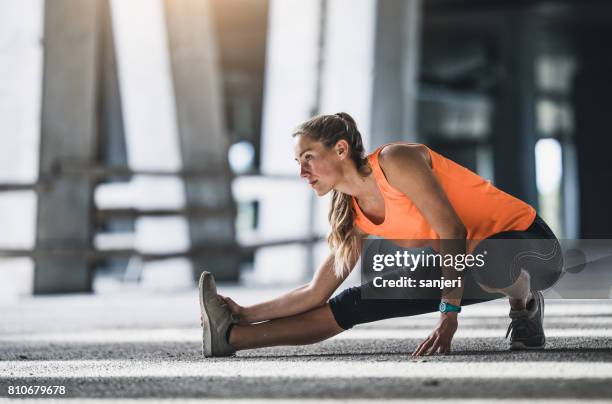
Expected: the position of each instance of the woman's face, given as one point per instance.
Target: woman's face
(320, 166)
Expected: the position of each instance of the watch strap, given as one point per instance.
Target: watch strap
(447, 307)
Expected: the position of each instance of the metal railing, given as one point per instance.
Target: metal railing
(98, 173)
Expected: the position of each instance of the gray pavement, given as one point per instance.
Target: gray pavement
(142, 345)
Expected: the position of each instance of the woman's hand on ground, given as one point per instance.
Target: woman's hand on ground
(237, 310)
(440, 339)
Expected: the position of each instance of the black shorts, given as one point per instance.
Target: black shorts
(536, 250)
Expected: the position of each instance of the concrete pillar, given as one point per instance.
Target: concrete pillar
(591, 93)
(112, 140)
(396, 61)
(346, 72)
(68, 132)
(291, 63)
(113, 148)
(199, 108)
(570, 190)
(514, 126)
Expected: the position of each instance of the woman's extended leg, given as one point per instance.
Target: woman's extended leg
(320, 324)
(305, 328)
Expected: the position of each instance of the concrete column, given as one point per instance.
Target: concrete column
(292, 57)
(199, 107)
(68, 132)
(514, 126)
(112, 140)
(113, 148)
(570, 190)
(591, 93)
(396, 61)
(346, 73)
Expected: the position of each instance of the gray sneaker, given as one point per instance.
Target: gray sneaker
(216, 319)
(527, 325)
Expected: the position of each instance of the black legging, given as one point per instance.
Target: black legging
(535, 249)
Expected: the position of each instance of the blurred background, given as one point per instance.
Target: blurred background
(144, 141)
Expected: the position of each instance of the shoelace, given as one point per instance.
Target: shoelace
(520, 325)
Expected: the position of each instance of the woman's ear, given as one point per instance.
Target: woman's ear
(342, 148)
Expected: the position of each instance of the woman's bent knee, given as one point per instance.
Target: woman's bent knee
(340, 307)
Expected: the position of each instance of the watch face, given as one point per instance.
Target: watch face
(443, 306)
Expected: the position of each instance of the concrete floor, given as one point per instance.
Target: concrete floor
(143, 345)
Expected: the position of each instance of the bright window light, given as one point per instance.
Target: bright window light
(548, 165)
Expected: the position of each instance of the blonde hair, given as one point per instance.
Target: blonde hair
(343, 238)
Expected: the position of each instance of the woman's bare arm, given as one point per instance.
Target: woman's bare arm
(409, 172)
(307, 297)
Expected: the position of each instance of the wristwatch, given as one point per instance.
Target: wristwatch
(447, 307)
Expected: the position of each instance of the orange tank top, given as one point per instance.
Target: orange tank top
(483, 208)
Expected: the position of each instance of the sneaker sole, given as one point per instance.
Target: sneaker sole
(206, 332)
(519, 346)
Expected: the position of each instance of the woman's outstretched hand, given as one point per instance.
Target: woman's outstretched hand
(237, 310)
(440, 339)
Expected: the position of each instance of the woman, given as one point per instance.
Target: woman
(400, 191)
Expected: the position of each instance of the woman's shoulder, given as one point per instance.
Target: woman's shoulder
(401, 153)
